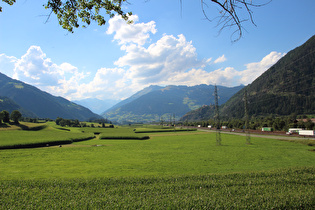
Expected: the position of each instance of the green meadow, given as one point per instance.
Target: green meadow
(183, 169)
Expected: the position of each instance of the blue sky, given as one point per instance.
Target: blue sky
(168, 44)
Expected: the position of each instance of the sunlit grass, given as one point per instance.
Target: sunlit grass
(277, 189)
(162, 155)
(172, 170)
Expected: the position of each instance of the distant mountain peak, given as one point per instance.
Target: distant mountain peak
(155, 102)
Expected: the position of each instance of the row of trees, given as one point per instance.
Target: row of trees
(5, 116)
(282, 123)
(76, 123)
(65, 122)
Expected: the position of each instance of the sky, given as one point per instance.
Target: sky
(169, 43)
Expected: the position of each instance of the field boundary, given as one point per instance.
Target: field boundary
(166, 130)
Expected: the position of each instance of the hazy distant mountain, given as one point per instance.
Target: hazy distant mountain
(288, 87)
(96, 105)
(134, 97)
(40, 103)
(155, 102)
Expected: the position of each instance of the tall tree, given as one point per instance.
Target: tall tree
(15, 116)
(1, 117)
(6, 116)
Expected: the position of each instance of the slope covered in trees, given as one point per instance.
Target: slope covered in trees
(40, 103)
(10, 105)
(288, 87)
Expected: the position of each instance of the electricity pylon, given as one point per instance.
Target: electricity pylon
(217, 116)
(246, 118)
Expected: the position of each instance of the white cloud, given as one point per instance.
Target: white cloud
(254, 70)
(7, 64)
(36, 69)
(130, 32)
(228, 76)
(220, 59)
(167, 57)
(169, 61)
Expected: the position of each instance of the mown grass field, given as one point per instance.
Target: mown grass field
(170, 170)
(28, 134)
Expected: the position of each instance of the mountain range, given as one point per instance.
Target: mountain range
(155, 102)
(34, 103)
(288, 87)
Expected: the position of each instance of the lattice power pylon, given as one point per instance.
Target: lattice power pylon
(246, 118)
(217, 116)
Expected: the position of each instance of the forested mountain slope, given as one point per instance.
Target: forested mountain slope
(40, 103)
(288, 87)
(10, 105)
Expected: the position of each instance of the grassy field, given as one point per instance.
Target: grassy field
(278, 189)
(28, 134)
(170, 170)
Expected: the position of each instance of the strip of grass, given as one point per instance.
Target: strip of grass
(30, 139)
(122, 133)
(278, 189)
(104, 136)
(163, 130)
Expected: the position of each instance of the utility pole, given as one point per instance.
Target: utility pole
(162, 121)
(174, 121)
(217, 116)
(246, 117)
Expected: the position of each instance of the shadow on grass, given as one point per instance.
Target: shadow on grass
(44, 144)
(4, 125)
(24, 127)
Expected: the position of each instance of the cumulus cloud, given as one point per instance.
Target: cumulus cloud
(133, 32)
(36, 69)
(228, 76)
(220, 59)
(254, 70)
(172, 60)
(164, 59)
(7, 64)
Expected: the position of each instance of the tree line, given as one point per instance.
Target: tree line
(76, 123)
(278, 123)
